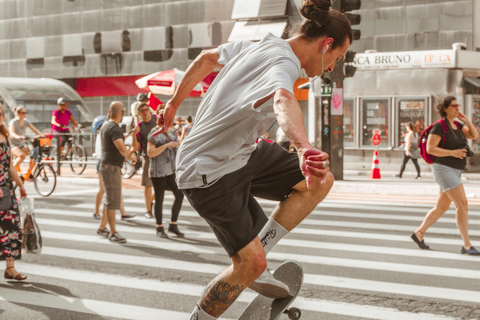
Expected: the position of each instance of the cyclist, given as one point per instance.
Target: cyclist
(17, 127)
(60, 118)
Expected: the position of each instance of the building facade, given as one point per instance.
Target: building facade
(100, 47)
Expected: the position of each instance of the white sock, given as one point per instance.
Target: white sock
(199, 314)
(271, 233)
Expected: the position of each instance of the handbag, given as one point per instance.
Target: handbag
(32, 238)
(6, 199)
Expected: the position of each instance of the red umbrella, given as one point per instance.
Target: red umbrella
(165, 83)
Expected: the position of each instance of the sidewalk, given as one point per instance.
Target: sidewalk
(355, 182)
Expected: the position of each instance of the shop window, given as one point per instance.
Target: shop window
(410, 110)
(348, 122)
(375, 116)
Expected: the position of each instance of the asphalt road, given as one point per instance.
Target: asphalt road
(358, 259)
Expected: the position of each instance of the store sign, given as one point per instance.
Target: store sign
(405, 60)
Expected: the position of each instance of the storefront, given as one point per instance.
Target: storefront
(391, 89)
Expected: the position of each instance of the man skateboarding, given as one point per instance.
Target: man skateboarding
(221, 169)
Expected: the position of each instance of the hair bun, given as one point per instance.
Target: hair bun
(321, 17)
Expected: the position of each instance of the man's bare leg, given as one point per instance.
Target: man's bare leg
(291, 211)
(248, 264)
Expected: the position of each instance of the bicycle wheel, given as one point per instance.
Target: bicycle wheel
(45, 180)
(78, 154)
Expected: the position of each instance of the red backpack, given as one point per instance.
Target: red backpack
(422, 143)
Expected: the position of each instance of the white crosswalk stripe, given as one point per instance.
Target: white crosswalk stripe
(338, 245)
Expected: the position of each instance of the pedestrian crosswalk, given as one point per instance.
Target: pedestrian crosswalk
(358, 259)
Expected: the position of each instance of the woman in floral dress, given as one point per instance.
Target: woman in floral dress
(10, 228)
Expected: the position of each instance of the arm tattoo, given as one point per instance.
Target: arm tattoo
(219, 296)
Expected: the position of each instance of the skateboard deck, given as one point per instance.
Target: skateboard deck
(290, 273)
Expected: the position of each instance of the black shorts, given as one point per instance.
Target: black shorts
(229, 206)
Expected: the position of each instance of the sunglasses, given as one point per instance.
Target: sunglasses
(144, 110)
(22, 112)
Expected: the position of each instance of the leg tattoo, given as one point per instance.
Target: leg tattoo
(219, 296)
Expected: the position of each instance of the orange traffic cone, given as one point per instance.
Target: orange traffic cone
(375, 174)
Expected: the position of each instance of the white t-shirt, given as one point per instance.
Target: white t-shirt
(227, 125)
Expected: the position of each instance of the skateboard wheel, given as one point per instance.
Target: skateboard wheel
(294, 313)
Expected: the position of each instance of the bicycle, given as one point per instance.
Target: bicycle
(42, 173)
(75, 153)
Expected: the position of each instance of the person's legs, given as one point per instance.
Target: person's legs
(442, 205)
(19, 155)
(177, 205)
(178, 194)
(99, 196)
(159, 184)
(417, 167)
(458, 197)
(404, 162)
(147, 193)
(112, 184)
(248, 264)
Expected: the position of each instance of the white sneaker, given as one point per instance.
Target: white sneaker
(270, 287)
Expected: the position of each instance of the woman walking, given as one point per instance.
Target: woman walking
(10, 228)
(450, 159)
(411, 150)
(161, 149)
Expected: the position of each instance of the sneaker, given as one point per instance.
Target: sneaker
(270, 287)
(129, 216)
(472, 251)
(173, 228)
(161, 233)
(103, 232)
(148, 215)
(398, 176)
(97, 216)
(116, 237)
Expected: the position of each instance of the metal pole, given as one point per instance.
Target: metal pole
(59, 152)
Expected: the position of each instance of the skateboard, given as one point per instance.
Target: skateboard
(290, 273)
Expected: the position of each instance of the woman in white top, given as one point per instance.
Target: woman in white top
(17, 128)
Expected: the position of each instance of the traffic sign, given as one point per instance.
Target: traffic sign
(376, 139)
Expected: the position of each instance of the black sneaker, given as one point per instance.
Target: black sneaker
(97, 216)
(173, 228)
(103, 232)
(161, 233)
(472, 251)
(116, 237)
(129, 216)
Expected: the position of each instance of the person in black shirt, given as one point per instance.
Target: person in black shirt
(114, 153)
(449, 162)
(140, 140)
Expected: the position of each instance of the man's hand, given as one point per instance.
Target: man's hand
(173, 144)
(313, 162)
(133, 158)
(167, 115)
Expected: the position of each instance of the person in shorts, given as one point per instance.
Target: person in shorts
(449, 162)
(140, 141)
(114, 153)
(221, 169)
